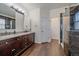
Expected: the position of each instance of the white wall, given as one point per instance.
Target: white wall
(35, 23)
(19, 22)
(55, 22)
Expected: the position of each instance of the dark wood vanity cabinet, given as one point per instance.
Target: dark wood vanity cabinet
(5, 50)
(74, 43)
(16, 45)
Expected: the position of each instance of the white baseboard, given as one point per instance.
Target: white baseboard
(43, 42)
(38, 42)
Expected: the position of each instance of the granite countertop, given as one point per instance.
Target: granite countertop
(14, 35)
(74, 30)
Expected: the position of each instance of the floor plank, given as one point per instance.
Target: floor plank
(46, 49)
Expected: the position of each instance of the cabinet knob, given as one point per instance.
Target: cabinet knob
(13, 49)
(6, 42)
(17, 39)
(42, 31)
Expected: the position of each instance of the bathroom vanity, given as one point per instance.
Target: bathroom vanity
(15, 44)
(74, 42)
(74, 31)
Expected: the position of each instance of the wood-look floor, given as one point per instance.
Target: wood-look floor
(46, 49)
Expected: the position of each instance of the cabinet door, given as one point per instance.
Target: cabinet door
(16, 44)
(30, 39)
(20, 41)
(5, 50)
(45, 29)
(24, 40)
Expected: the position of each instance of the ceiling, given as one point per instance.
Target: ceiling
(48, 6)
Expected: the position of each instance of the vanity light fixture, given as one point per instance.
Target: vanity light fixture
(16, 8)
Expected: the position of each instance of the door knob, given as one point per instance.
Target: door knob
(42, 31)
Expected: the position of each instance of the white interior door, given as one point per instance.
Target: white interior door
(45, 29)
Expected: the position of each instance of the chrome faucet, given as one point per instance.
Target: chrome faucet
(14, 31)
(5, 32)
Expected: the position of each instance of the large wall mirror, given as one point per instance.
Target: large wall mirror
(74, 18)
(7, 17)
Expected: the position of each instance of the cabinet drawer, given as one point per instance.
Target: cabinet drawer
(74, 49)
